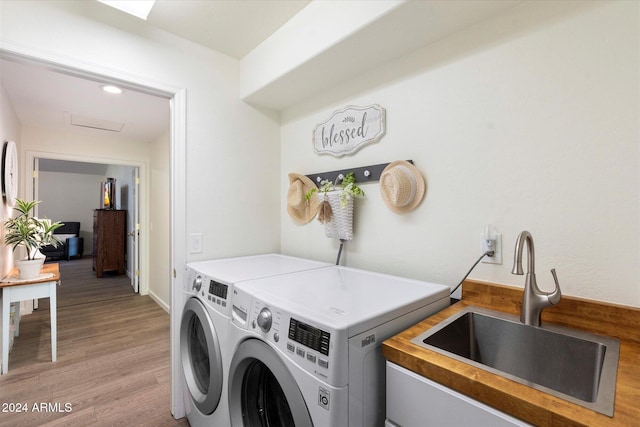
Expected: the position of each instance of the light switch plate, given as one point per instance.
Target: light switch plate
(195, 243)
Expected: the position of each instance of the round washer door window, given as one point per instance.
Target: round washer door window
(201, 357)
(262, 391)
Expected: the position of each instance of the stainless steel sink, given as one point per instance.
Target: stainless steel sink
(576, 366)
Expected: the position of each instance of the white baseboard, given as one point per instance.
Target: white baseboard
(160, 302)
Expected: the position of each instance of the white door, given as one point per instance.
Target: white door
(134, 234)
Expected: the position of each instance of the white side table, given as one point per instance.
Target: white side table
(16, 291)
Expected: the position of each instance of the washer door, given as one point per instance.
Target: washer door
(201, 357)
(262, 391)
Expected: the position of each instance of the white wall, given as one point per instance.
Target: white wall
(521, 127)
(159, 219)
(9, 131)
(81, 144)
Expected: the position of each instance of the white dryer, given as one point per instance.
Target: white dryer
(205, 323)
(308, 345)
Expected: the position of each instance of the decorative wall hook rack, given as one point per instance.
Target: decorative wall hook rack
(362, 174)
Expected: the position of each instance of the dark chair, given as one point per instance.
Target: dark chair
(72, 244)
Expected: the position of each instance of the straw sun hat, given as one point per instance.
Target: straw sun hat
(301, 210)
(402, 186)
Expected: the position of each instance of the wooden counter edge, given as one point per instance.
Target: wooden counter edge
(46, 269)
(513, 398)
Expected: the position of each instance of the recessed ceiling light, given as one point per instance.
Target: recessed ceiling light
(138, 8)
(111, 89)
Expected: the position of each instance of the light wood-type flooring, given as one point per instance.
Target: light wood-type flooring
(113, 358)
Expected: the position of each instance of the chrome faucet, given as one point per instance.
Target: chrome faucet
(533, 300)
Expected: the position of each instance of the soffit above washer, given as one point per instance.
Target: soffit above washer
(303, 59)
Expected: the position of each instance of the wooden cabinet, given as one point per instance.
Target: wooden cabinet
(109, 240)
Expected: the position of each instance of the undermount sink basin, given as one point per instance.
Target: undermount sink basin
(576, 366)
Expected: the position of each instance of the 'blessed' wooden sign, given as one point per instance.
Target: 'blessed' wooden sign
(348, 130)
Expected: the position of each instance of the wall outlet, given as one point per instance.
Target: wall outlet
(497, 248)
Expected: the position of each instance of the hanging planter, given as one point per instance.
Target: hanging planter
(337, 218)
(336, 206)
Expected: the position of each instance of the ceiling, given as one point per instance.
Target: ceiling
(47, 98)
(53, 100)
(233, 27)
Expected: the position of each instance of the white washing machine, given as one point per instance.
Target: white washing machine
(204, 328)
(307, 346)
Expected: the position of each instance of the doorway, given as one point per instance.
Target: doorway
(177, 174)
(70, 190)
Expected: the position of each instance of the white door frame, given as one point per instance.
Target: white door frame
(178, 134)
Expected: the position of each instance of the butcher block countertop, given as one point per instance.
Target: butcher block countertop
(526, 403)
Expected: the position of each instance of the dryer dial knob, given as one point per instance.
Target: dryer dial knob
(264, 319)
(197, 283)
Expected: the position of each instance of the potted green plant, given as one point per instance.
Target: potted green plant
(32, 233)
(336, 205)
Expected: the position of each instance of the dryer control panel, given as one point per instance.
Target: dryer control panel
(216, 294)
(312, 337)
(321, 351)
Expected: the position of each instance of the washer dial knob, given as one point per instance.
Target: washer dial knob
(264, 319)
(197, 283)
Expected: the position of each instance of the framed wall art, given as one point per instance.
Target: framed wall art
(349, 129)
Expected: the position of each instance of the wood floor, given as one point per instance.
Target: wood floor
(113, 358)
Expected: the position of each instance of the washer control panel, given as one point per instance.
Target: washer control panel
(217, 289)
(213, 292)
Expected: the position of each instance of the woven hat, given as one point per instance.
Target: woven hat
(402, 186)
(301, 210)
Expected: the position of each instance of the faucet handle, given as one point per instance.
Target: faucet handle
(554, 297)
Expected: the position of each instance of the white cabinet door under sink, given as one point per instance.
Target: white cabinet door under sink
(415, 401)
